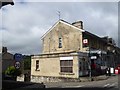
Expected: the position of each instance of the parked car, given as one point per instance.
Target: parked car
(117, 69)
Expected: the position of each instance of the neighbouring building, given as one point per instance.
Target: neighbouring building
(6, 2)
(70, 52)
(7, 59)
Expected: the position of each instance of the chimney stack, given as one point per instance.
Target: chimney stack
(78, 24)
(4, 49)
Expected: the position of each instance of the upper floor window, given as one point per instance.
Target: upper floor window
(60, 42)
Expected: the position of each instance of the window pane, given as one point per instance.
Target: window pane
(60, 42)
(66, 63)
(71, 63)
(66, 69)
(62, 63)
(37, 62)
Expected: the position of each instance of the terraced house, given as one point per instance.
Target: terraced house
(70, 52)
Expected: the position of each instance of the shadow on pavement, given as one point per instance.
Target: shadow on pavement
(88, 88)
(14, 85)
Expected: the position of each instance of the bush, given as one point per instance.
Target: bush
(12, 71)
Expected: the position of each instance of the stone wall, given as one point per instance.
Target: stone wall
(50, 66)
(40, 79)
(20, 78)
(71, 39)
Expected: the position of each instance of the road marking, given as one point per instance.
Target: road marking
(112, 84)
(106, 85)
(109, 85)
(75, 86)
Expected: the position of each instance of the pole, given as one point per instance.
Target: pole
(59, 14)
(90, 74)
(119, 81)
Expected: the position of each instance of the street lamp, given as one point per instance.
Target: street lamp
(108, 62)
(85, 44)
(90, 70)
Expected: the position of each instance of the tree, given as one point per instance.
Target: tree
(12, 71)
(27, 62)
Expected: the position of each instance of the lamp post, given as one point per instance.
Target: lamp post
(90, 72)
(86, 44)
(108, 62)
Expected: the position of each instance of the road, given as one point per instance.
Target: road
(110, 84)
(17, 85)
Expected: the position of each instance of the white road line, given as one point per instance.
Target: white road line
(75, 86)
(106, 85)
(112, 85)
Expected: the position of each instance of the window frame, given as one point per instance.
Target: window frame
(66, 66)
(60, 42)
(37, 65)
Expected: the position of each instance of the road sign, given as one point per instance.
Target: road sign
(17, 65)
(93, 57)
(18, 57)
(85, 41)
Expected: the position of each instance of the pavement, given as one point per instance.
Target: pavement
(95, 78)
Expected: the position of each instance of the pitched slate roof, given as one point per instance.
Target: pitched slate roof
(94, 36)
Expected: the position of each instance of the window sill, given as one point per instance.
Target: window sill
(64, 73)
(37, 70)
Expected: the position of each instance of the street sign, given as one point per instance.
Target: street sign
(18, 57)
(85, 41)
(93, 57)
(17, 65)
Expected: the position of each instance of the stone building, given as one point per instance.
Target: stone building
(6, 2)
(7, 59)
(65, 55)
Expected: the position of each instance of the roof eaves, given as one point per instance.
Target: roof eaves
(49, 29)
(95, 36)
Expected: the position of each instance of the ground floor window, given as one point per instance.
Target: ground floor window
(66, 66)
(37, 65)
(83, 64)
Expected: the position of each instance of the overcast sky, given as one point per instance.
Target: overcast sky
(24, 23)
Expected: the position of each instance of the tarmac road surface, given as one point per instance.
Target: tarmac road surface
(110, 84)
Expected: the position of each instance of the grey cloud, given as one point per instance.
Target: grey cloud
(68, 0)
(25, 23)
